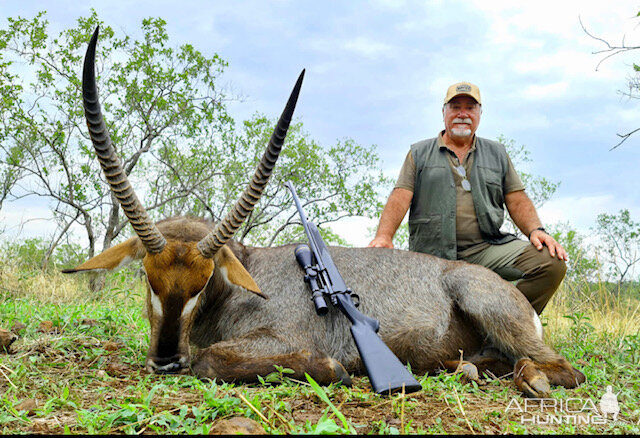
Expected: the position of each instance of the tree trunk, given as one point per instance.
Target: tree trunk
(96, 279)
(112, 230)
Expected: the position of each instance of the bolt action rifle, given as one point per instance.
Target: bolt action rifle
(386, 373)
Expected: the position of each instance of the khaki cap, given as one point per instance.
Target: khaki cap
(463, 89)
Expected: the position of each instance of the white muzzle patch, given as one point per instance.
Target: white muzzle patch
(156, 304)
(191, 304)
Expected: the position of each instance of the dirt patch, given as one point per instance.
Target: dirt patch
(86, 376)
(237, 426)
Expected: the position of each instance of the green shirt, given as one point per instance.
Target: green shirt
(468, 236)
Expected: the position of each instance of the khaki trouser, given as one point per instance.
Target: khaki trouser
(536, 273)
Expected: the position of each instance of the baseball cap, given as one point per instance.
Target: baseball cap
(463, 89)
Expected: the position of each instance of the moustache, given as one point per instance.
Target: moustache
(461, 121)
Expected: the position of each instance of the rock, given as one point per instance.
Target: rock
(41, 426)
(6, 339)
(47, 327)
(111, 346)
(237, 426)
(30, 405)
(116, 369)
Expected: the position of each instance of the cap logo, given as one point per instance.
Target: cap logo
(463, 88)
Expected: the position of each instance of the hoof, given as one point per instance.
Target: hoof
(579, 377)
(6, 339)
(537, 388)
(340, 372)
(470, 371)
(530, 380)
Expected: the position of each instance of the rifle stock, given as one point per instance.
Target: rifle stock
(386, 373)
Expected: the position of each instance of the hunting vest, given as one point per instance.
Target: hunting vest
(432, 217)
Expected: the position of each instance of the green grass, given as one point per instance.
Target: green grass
(86, 376)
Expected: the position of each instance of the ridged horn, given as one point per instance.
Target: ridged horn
(152, 239)
(225, 230)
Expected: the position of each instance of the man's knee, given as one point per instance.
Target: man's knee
(540, 264)
(556, 270)
(543, 275)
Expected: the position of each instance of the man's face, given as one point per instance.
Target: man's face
(461, 116)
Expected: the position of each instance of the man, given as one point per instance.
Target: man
(457, 185)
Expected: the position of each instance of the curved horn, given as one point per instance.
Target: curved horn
(225, 230)
(152, 239)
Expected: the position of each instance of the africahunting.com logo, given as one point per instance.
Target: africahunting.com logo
(549, 411)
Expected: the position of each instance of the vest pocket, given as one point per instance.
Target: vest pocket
(490, 224)
(425, 234)
(493, 183)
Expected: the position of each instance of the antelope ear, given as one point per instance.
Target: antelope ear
(235, 272)
(113, 258)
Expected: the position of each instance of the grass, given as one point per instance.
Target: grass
(84, 372)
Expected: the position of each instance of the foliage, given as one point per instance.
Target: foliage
(582, 265)
(325, 424)
(30, 252)
(538, 188)
(169, 124)
(152, 95)
(620, 243)
(340, 181)
(11, 155)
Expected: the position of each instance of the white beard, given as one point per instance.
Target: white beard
(460, 132)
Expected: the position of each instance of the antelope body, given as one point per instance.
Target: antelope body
(248, 308)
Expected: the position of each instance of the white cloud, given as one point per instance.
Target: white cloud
(367, 48)
(581, 211)
(355, 230)
(545, 91)
(27, 219)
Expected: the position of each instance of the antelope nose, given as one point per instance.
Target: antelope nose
(167, 365)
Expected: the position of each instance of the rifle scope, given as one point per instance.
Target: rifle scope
(304, 258)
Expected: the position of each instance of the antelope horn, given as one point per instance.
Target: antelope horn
(152, 239)
(225, 230)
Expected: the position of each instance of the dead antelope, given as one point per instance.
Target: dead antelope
(207, 289)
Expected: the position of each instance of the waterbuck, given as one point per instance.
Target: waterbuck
(248, 308)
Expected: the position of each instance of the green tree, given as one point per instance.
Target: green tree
(538, 188)
(152, 95)
(582, 266)
(11, 128)
(168, 122)
(620, 244)
(335, 182)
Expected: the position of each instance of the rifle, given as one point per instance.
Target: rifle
(386, 373)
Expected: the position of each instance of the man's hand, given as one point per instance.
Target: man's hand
(539, 238)
(393, 213)
(525, 217)
(381, 242)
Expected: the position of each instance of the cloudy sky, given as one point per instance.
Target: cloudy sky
(377, 72)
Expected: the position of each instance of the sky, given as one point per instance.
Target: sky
(377, 72)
